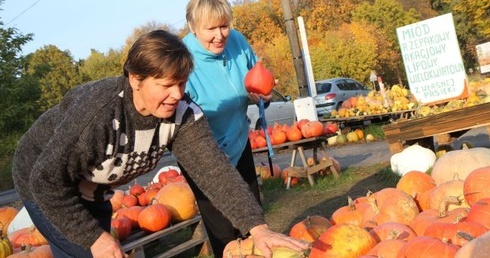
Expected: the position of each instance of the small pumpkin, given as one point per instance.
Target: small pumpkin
(351, 213)
(294, 134)
(116, 199)
(310, 228)
(415, 183)
(132, 213)
(312, 129)
(259, 80)
(154, 218)
(123, 227)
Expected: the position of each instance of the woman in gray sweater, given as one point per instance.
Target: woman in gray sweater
(105, 133)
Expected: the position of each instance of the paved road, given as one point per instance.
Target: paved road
(360, 154)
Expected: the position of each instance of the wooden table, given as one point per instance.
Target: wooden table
(298, 147)
(137, 241)
(419, 128)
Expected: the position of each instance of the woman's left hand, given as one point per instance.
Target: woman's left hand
(255, 97)
(264, 239)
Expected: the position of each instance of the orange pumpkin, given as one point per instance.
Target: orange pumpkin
(449, 193)
(480, 212)
(179, 199)
(430, 216)
(259, 80)
(7, 214)
(132, 213)
(386, 248)
(312, 129)
(392, 230)
(390, 205)
(342, 240)
(116, 199)
(154, 218)
(452, 231)
(136, 189)
(415, 183)
(476, 185)
(27, 236)
(351, 213)
(278, 137)
(123, 227)
(294, 134)
(310, 228)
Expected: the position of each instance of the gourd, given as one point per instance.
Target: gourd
(461, 162)
(332, 243)
(310, 228)
(27, 236)
(476, 185)
(414, 157)
(154, 218)
(259, 80)
(7, 214)
(179, 199)
(351, 213)
(312, 129)
(6, 248)
(415, 183)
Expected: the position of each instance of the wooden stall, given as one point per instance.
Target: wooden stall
(397, 133)
(298, 147)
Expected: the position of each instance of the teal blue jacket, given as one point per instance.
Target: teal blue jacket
(217, 86)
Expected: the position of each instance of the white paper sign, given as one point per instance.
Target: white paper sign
(432, 59)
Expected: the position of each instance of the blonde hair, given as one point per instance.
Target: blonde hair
(198, 11)
(159, 54)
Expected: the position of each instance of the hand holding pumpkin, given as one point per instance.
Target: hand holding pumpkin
(255, 97)
(265, 239)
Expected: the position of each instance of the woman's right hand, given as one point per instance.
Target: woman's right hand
(106, 246)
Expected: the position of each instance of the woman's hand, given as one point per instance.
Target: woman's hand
(106, 246)
(264, 239)
(255, 97)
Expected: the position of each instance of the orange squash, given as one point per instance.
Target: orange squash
(7, 214)
(154, 218)
(476, 185)
(310, 228)
(27, 236)
(312, 129)
(415, 183)
(179, 199)
(259, 80)
(43, 251)
(351, 213)
(424, 246)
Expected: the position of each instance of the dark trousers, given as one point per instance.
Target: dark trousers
(219, 228)
(60, 246)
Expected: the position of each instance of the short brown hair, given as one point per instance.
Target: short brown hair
(159, 54)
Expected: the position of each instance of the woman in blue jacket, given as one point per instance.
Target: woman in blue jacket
(222, 57)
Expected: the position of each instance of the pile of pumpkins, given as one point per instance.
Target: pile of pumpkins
(304, 129)
(442, 212)
(168, 199)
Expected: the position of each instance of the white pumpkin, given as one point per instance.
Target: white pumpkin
(414, 157)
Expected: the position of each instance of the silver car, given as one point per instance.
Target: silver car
(332, 92)
(280, 110)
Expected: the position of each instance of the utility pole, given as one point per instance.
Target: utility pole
(294, 42)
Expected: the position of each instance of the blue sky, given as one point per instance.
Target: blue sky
(82, 25)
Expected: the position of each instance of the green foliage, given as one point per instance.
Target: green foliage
(98, 65)
(56, 72)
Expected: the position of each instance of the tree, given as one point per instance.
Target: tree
(56, 72)
(98, 65)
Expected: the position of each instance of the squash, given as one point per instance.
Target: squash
(415, 183)
(351, 213)
(259, 80)
(386, 248)
(27, 236)
(460, 162)
(414, 157)
(392, 230)
(312, 129)
(449, 193)
(342, 240)
(179, 199)
(7, 214)
(310, 228)
(476, 185)
(424, 246)
(6, 248)
(154, 218)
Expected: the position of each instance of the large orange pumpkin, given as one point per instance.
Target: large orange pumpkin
(480, 212)
(43, 251)
(387, 248)
(452, 231)
(342, 240)
(430, 216)
(312, 129)
(476, 185)
(392, 230)
(7, 214)
(415, 183)
(351, 213)
(310, 228)
(179, 199)
(449, 193)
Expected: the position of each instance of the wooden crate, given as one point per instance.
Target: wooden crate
(456, 120)
(138, 241)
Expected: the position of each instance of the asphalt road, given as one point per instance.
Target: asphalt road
(358, 154)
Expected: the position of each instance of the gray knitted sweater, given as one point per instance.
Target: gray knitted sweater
(95, 140)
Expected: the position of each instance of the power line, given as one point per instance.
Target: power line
(13, 19)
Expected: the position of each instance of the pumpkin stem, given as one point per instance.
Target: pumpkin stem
(444, 204)
(464, 235)
(351, 204)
